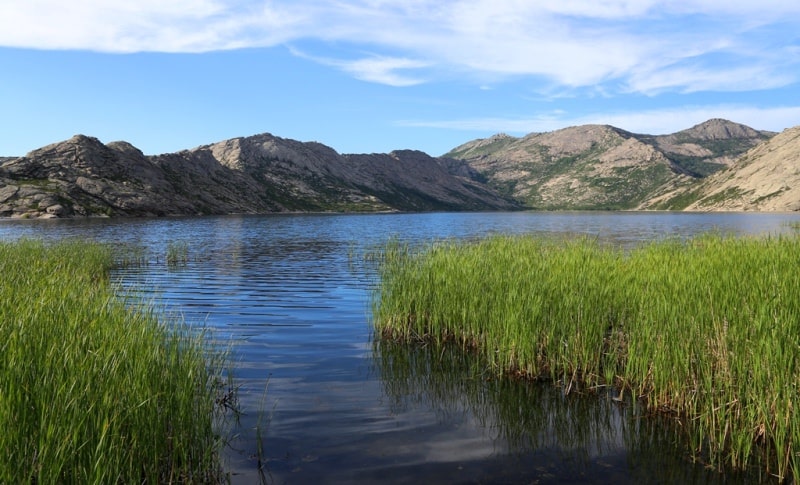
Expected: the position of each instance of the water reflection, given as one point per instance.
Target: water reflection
(552, 437)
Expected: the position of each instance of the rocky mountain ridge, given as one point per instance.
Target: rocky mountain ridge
(604, 167)
(716, 165)
(258, 174)
(709, 146)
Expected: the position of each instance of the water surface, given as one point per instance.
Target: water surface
(289, 295)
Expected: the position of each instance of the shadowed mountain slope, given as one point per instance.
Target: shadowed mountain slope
(258, 174)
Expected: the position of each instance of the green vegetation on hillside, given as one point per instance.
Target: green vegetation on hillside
(487, 147)
(91, 390)
(698, 167)
(702, 166)
(706, 330)
(679, 201)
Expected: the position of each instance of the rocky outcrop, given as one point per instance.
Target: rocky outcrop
(87, 178)
(258, 174)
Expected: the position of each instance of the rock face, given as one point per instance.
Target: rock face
(603, 167)
(766, 178)
(258, 174)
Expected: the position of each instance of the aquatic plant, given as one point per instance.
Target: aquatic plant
(177, 254)
(706, 330)
(129, 256)
(93, 390)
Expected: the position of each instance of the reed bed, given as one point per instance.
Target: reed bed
(706, 330)
(91, 390)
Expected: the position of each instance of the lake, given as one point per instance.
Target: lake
(290, 296)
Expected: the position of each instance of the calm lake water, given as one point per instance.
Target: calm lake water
(291, 298)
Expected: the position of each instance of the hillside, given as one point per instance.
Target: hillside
(766, 178)
(582, 167)
(708, 147)
(603, 167)
(258, 174)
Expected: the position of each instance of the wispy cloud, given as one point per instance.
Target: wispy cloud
(654, 122)
(641, 45)
(384, 70)
(691, 79)
(375, 68)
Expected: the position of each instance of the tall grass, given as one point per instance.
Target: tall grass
(707, 330)
(177, 254)
(92, 391)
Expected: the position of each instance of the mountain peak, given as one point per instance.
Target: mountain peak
(719, 129)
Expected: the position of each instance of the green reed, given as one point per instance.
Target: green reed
(707, 330)
(91, 390)
(177, 254)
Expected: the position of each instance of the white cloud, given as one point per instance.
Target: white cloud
(658, 122)
(599, 8)
(379, 69)
(654, 122)
(763, 9)
(145, 25)
(384, 70)
(646, 45)
(700, 78)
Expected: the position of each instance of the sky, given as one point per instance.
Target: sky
(372, 76)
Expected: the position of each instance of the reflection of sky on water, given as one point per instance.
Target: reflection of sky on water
(289, 295)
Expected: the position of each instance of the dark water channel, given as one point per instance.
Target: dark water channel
(290, 296)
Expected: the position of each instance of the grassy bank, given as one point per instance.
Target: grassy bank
(707, 330)
(90, 390)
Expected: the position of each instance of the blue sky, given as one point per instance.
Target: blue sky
(368, 76)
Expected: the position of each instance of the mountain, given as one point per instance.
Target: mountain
(258, 174)
(580, 167)
(708, 147)
(716, 165)
(603, 167)
(766, 178)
